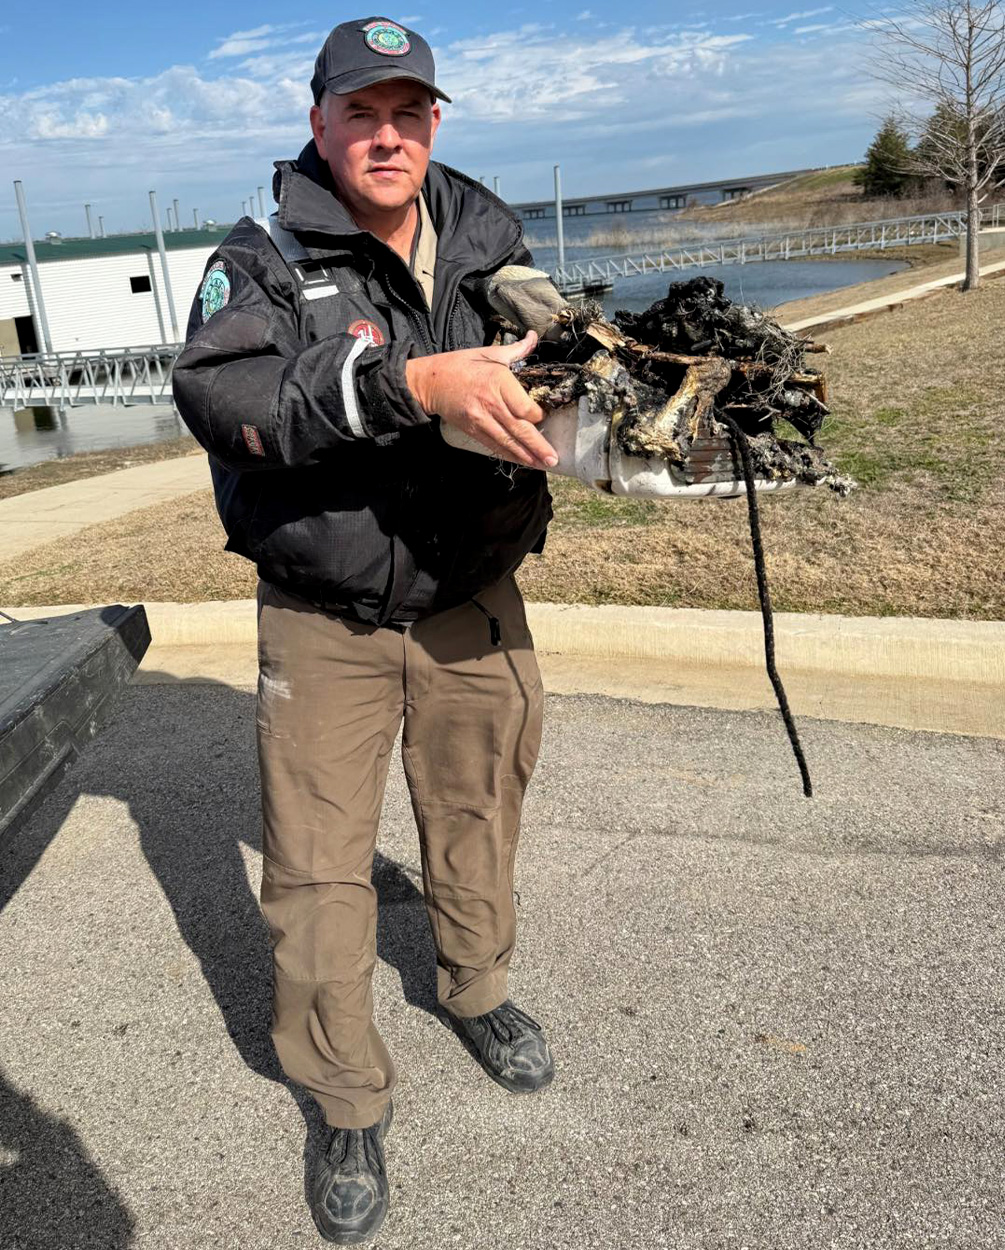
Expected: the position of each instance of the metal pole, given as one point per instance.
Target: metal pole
(177, 219)
(495, 184)
(195, 217)
(558, 216)
(101, 227)
(261, 201)
(157, 296)
(244, 208)
(90, 224)
(41, 320)
(164, 266)
(170, 226)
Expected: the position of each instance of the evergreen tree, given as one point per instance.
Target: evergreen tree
(944, 135)
(887, 168)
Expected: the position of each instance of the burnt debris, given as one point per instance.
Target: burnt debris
(689, 361)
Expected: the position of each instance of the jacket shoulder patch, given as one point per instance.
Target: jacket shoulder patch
(215, 292)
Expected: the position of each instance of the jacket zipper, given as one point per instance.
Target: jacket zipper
(415, 317)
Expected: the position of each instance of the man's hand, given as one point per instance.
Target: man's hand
(475, 391)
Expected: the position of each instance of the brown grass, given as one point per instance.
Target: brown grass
(943, 264)
(91, 464)
(172, 551)
(827, 198)
(917, 418)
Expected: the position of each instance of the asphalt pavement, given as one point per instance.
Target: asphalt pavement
(777, 1022)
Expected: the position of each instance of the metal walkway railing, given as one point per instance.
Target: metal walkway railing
(142, 375)
(130, 375)
(818, 241)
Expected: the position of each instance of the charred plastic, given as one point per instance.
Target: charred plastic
(685, 362)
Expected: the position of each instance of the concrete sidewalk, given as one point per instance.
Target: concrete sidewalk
(40, 516)
(777, 1023)
(889, 302)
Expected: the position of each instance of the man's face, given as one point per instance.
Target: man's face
(377, 142)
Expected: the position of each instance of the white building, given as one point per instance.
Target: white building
(101, 293)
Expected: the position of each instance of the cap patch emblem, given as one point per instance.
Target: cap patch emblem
(386, 38)
(367, 330)
(215, 292)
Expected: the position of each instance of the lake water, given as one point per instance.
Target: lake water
(36, 434)
(770, 284)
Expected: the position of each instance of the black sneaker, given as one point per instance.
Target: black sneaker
(509, 1045)
(349, 1193)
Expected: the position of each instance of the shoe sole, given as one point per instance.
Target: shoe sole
(473, 1051)
(349, 1241)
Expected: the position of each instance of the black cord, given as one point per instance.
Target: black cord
(740, 442)
(495, 629)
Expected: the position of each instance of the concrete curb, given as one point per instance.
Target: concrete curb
(899, 648)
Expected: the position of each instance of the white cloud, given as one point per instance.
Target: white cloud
(614, 110)
(529, 74)
(798, 17)
(242, 42)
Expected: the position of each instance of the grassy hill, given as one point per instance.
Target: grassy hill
(824, 197)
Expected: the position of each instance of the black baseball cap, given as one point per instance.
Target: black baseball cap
(358, 54)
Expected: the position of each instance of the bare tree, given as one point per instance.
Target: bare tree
(946, 61)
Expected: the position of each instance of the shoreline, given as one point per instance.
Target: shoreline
(931, 260)
(56, 470)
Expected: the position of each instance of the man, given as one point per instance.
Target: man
(324, 349)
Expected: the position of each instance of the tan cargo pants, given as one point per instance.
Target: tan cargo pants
(332, 695)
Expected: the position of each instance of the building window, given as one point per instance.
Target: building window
(140, 284)
(530, 214)
(573, 210)
(671, 201)
(619, 206)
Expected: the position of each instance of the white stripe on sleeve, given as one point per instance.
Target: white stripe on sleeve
(349, 389)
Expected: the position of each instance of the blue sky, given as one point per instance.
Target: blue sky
(197, 100)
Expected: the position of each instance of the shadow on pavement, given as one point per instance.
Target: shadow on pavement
(37, 1145)
(189, 776)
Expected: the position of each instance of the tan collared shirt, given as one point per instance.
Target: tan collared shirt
(424, 251)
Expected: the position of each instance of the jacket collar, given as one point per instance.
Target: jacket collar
(474, 228)
(305, 192)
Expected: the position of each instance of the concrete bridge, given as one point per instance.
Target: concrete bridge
(656, 199)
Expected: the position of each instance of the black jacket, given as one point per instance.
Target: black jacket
(327, 473)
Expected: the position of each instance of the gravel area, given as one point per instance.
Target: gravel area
(777, 1022)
